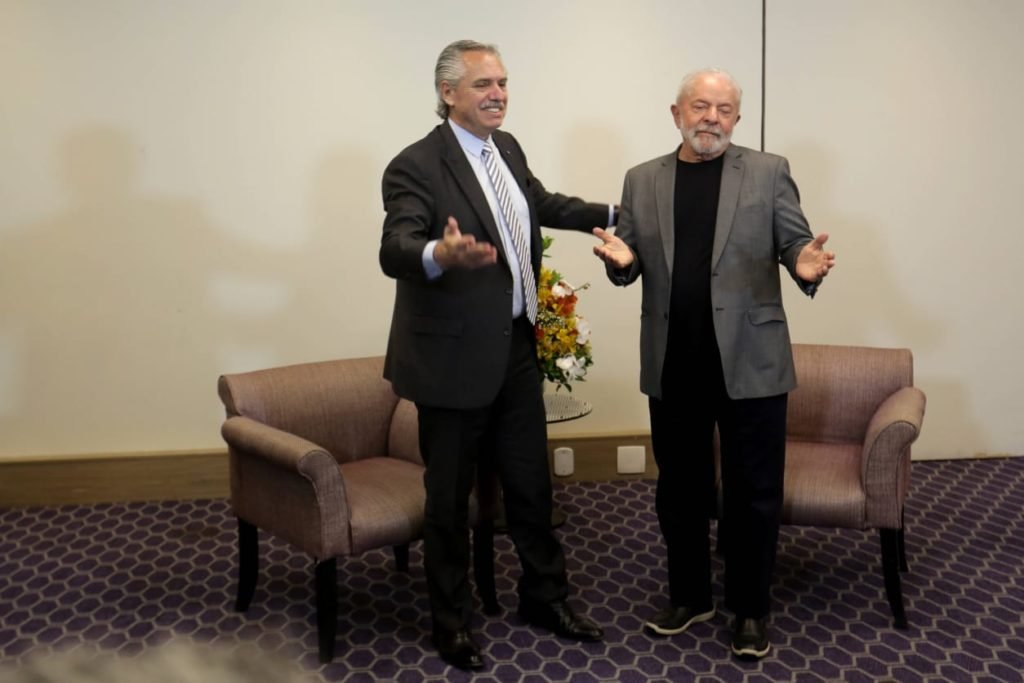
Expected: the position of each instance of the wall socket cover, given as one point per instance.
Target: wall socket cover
(631, 460)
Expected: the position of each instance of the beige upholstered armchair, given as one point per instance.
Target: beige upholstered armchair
(851, 422)
(326, 457)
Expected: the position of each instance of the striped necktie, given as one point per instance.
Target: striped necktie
(519, 238)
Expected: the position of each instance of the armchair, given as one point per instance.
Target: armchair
(325, 456)
(850, 425)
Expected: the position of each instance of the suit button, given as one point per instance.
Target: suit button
(509, 291)
(507, 332)
(666, 316)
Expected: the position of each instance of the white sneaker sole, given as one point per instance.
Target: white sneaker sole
(695, 619)
(751, 653)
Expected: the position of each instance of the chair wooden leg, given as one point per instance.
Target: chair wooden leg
(904, 567)
(401, 557)
(890, 541)
(248, 563)
(326, 607)
(483, 566)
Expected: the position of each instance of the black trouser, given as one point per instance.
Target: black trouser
(513, 432)
(753, 453)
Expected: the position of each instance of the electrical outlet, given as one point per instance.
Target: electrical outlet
(562, 461)
(631, 460)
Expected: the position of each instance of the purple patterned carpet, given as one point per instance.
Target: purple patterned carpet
(126, 577)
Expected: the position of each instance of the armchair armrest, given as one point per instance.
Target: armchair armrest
(281, 448)
(292, 453)
(885, 458)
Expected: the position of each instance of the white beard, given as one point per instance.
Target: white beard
(705, 146)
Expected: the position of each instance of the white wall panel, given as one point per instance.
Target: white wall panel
(900, 120)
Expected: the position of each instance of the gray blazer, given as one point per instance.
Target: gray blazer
(759, 226)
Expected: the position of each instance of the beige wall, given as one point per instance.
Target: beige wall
(901, 120)
(192, 188)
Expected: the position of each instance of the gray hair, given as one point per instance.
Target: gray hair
(686, 87)
(450, 68)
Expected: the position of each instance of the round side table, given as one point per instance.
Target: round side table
(561, 407)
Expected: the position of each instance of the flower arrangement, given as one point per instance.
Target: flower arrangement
(563, 336)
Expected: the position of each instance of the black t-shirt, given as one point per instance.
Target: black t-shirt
(691, 334)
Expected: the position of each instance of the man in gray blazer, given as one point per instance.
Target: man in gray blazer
(707, 227)
(462, 344)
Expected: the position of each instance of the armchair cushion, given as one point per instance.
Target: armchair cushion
(386, 497)
(822, 482)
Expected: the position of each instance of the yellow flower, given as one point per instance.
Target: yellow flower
(563, 337)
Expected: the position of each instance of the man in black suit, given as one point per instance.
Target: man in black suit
(465, 246)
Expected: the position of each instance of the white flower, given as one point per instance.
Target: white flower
(571, 367)
(582, 330)
(561, 289)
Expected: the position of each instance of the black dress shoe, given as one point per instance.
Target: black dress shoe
(673, 620)
(458, 649)
(559, 618)
(750, 638)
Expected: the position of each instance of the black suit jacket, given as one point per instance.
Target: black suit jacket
(450, 337)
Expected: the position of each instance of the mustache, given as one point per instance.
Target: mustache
(493, 103)
(704, 128)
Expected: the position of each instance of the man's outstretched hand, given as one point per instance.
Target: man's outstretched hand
(462, 251)
(814, 262)
(612, 250)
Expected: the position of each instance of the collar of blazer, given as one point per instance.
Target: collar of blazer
(728, 196)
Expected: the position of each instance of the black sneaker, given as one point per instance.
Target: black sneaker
(673, 620)
(750, 639)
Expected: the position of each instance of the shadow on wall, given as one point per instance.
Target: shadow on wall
(347, 213)
(110, 323)
(328, 299)
(126, 306)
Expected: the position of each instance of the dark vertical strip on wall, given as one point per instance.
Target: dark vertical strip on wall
(764, 35)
